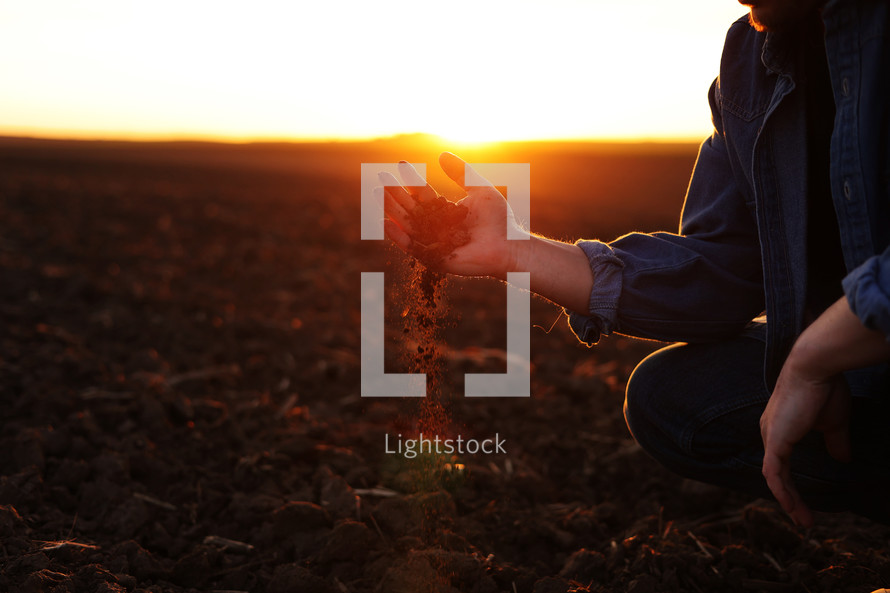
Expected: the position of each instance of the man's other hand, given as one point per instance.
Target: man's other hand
(811, 394)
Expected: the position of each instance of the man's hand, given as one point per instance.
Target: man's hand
(801, 403)
(488, 252)
(559, 271)
(811, 394)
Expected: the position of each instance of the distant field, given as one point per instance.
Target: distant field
(578, 189)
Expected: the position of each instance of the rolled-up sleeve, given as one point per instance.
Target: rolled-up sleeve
(607, 270)
(703, 283)
(868, 291)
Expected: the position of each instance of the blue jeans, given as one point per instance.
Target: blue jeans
(696, 409)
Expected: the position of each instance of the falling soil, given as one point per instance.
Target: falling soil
(439, 228)
(424, 311)
(428, 309)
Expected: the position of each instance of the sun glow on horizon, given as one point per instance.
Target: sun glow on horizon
(473, 72)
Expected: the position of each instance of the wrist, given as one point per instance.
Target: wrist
(518, 256)
(835, 342)
(806, 360)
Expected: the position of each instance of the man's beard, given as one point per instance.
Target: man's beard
(765, 23)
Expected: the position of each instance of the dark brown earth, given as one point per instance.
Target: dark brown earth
(179, 382)
(439, 227)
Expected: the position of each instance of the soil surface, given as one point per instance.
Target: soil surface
(179, 380)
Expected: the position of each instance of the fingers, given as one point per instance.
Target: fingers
(801, 514)
(777, 471)
(777, 476)
(393, 209)
(397, 235)
(457, 170)
(775, 467)
(414, 183)
(394, 188)
(398, 226)
(397, 214)
(453, 166)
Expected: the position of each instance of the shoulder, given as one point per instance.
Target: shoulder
(743, 51)
(742, 35)
(742, 86)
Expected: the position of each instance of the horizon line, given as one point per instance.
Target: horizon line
(96, 136)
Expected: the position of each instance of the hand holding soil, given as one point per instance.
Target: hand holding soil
(475, 243)
(468, 238)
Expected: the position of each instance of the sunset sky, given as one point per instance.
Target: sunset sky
(466, 70)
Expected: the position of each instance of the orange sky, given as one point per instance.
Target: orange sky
(467, 70)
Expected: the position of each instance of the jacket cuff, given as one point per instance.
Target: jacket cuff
(868, 292)
(602, 317)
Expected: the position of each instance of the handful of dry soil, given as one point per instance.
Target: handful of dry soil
(439, 228)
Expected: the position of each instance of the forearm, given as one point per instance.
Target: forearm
(837, 341)
(559, 272)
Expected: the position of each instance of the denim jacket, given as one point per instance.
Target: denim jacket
(742, 242)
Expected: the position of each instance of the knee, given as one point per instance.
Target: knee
(645, 390)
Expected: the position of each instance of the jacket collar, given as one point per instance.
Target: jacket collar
(783, 51)
(776, 55)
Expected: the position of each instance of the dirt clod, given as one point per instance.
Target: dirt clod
(439, 227)
(289, 578)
